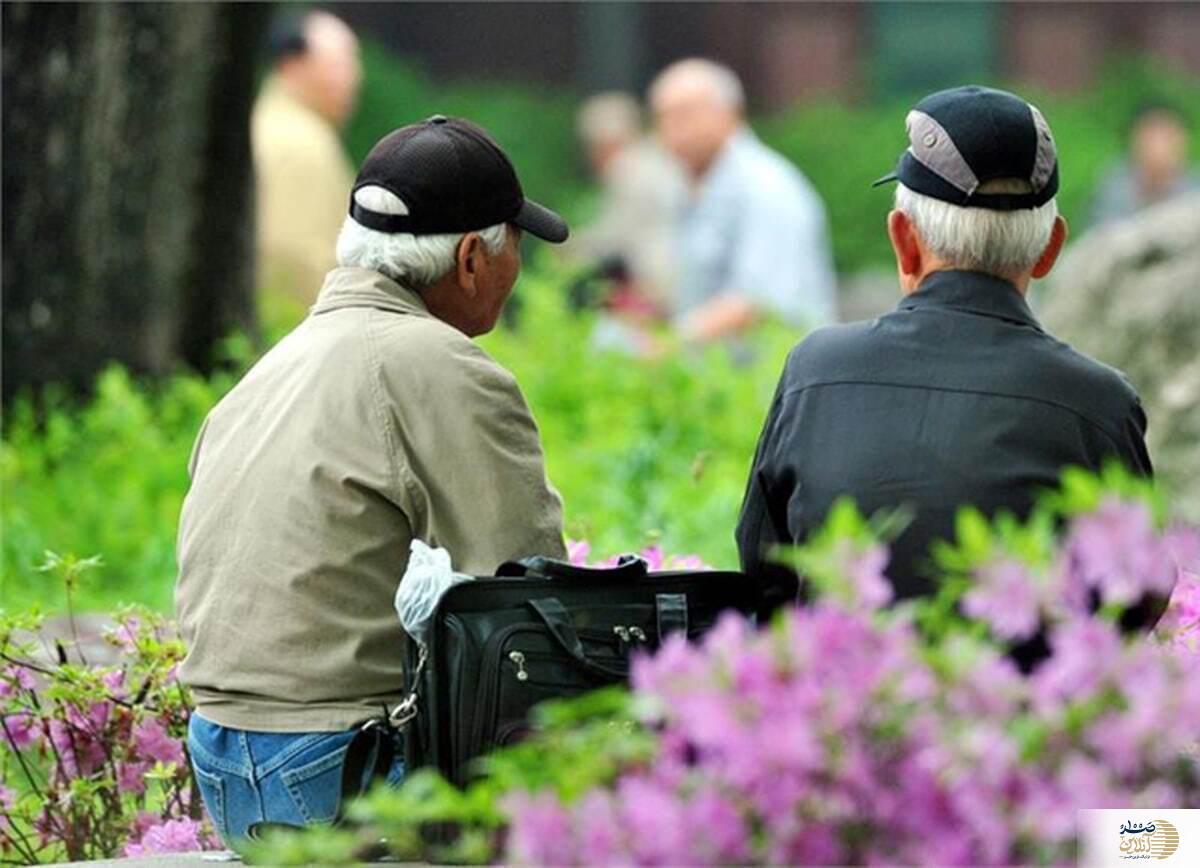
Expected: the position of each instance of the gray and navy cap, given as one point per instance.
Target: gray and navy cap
(964, 137)
(453, 177)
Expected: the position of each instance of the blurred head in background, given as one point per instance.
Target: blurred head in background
(698, 105)
(316, 59)
(1158, 146)
(608, 123)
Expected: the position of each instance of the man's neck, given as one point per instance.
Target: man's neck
(909, 285)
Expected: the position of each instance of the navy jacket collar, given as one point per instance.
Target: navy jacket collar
(973, 292)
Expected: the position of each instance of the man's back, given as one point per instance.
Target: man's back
(956, 397)
(370, 424)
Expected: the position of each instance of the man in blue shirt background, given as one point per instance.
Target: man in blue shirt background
(752, 239)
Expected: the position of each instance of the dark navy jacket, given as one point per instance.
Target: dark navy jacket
(956, 397)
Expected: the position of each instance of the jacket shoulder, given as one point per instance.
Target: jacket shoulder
(830, 353)
(412, 347)
(1105, 390)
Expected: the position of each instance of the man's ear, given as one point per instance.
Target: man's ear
(470, 261)
(1058, 237)
(903, 235)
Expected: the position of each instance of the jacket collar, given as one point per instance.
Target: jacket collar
(973, 292)
(361, 287)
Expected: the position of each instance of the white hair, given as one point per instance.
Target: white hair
(981, 239)
(417, 261)
(719, 80)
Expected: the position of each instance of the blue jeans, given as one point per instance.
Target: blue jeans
(273, 777)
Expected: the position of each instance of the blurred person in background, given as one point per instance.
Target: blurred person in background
(1156, 169)
(958, 396)
(752, 237)
(303, 175)
(376, 422)
(641, 185)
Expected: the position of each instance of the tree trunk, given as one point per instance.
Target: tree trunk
(128, 194)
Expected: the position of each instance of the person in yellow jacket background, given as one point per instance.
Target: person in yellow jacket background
(303, 174)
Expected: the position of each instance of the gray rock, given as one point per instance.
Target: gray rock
(1129, 295)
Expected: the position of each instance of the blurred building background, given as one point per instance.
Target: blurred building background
(785, 52)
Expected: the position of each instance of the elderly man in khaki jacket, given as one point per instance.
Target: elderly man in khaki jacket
(377, 421)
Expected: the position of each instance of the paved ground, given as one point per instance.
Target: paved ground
(212, 859)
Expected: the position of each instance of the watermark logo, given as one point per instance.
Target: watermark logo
(1138, 838)
(1157, 839)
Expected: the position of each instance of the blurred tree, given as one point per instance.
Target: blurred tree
(127, 185)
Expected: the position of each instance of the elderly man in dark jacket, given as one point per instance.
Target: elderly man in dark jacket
(958, 396)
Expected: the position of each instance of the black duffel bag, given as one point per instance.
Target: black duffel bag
(542, 629)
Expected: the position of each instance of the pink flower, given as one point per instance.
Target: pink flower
(131, 777)
(14, 679)
(172, 836)
(21, 729)
(80, 748)
(540, 830)
(1117, 551)
(151, 741)
(653, 556)
(1006, 598)
(114, 681)
(125, 634)
(578, 551)
(865, 570)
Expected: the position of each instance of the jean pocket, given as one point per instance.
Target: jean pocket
(316, 787)
(212, 791)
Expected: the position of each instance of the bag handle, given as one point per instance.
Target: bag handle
(558, 622)
(629, 568)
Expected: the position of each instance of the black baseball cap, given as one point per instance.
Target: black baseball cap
(963, 137)
(452, 177)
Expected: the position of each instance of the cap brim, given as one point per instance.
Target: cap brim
(542, 222)
(890, 176)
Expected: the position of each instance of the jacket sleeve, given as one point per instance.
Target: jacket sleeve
(468, 458)
(761, 527)
(1135, 454)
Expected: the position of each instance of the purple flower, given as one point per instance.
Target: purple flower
(539, 831)
(1117, 551)
(78, 744)
(1006, 598)
(171, 836)
(653, 556)
(151, 741)
(131, 777)
(578, 551)
(865, 570)
(715, 831)
(14, 679)
(114, 681)
(21, 729)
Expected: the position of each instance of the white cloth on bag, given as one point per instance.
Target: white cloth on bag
(428, 577)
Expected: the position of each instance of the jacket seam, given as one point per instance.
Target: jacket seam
(1099, 427)
(399, 473)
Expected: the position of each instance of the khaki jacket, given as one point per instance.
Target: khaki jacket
(302, 186)
(369, 425)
